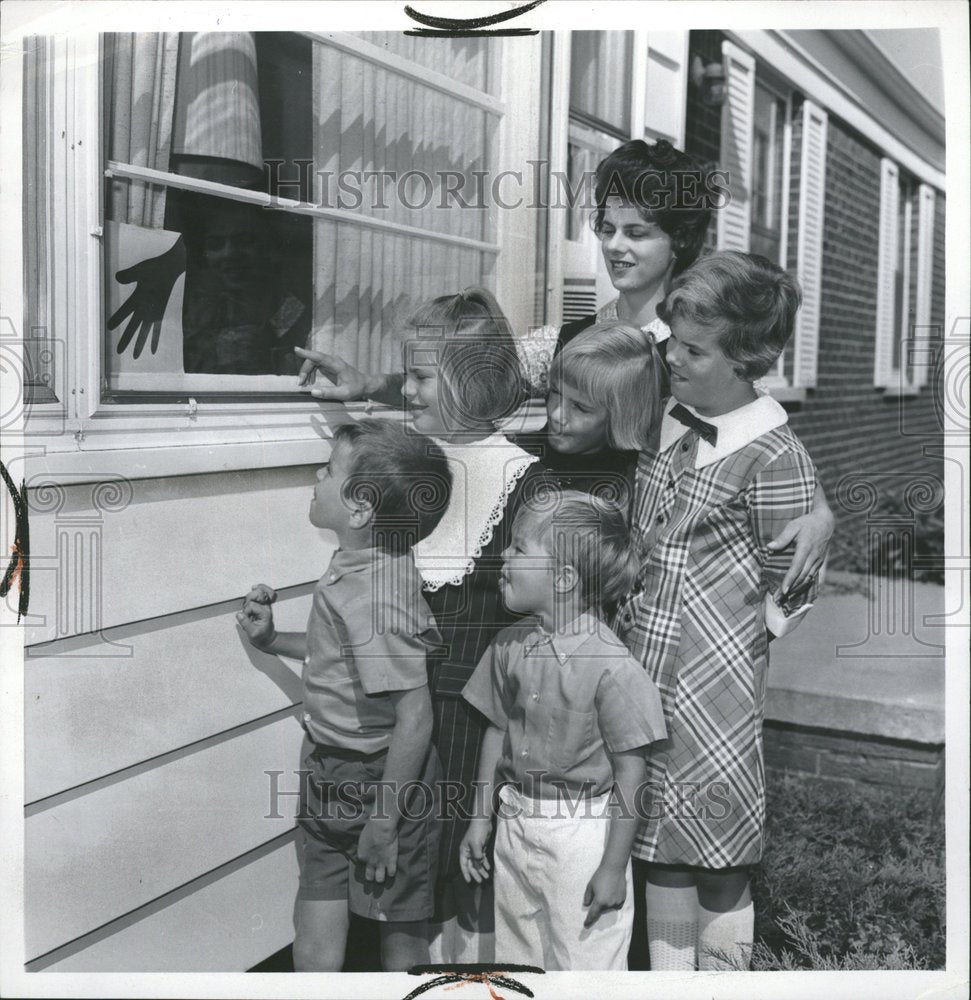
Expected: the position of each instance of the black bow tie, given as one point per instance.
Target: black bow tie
(707, 432)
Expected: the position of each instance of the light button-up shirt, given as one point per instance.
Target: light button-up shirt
(565, 702)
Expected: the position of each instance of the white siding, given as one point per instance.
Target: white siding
(251, 905)
(154, 547)
(182, 680)
(147, 741)
(93, 857)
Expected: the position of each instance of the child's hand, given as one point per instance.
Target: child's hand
(377, 850)
(348, 382)
(256, 619)
(260, 593)
(472, 859)
(607, 890)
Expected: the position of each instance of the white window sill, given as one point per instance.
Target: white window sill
(787, 393)
(218, 437)
(900, 390)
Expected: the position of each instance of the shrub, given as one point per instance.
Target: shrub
(852, 878)
(851, 545)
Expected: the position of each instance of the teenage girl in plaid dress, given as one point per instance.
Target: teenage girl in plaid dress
(727, 476)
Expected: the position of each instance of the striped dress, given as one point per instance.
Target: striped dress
(469, 614)
(695, 620)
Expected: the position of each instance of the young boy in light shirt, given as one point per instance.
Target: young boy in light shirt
(570, 716)
(367, 709)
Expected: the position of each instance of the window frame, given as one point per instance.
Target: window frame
(776, 380)
(91, 430)
(734, 224)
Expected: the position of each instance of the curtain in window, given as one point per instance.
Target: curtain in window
(217, 114)
(369, 118)
(141, 72)
(600, 70)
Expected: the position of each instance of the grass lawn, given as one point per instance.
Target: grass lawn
(852, 878)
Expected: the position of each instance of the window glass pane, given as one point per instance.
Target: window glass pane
(407, 154)
(465, 60)
(767, 156)
(202, 288)
(600, 77)
(198, 285)
(581, 166)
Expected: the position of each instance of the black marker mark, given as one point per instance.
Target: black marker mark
(456, 974)
(465, 27)
(19, 566)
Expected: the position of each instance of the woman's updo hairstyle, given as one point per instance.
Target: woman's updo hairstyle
(482, 380)
(667, 186)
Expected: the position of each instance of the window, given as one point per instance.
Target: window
(216, 289)
(905, 264)
(600, 75)
(768, 157)
(229, 288)
(600, 80)
(770, 120)
(773, 148)
(904, 272)
(265, 188)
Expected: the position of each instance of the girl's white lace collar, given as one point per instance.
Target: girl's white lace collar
(484, 475)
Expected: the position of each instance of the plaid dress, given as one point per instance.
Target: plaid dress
(696, 622)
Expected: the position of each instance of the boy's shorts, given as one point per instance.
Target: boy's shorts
(336, 799)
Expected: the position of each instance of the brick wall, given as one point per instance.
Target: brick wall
(839, 756)
(849, 426)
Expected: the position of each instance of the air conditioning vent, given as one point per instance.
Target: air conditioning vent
(579, 298)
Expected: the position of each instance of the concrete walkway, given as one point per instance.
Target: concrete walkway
(867, 660)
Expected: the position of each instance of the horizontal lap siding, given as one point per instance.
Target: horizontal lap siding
(146, 693)
(91, 859)
(251, 907)
(124, 552)
(147, 739)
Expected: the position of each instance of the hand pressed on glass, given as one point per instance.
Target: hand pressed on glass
(154, 280)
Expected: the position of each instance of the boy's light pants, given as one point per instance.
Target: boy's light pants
(544, 858)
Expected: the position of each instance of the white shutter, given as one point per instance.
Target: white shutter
(809, 247)
(886, 265)
(666, 87)
(736, 147)
(925, 274)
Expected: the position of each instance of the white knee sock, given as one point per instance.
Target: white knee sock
(725, 939)
(672, 927)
